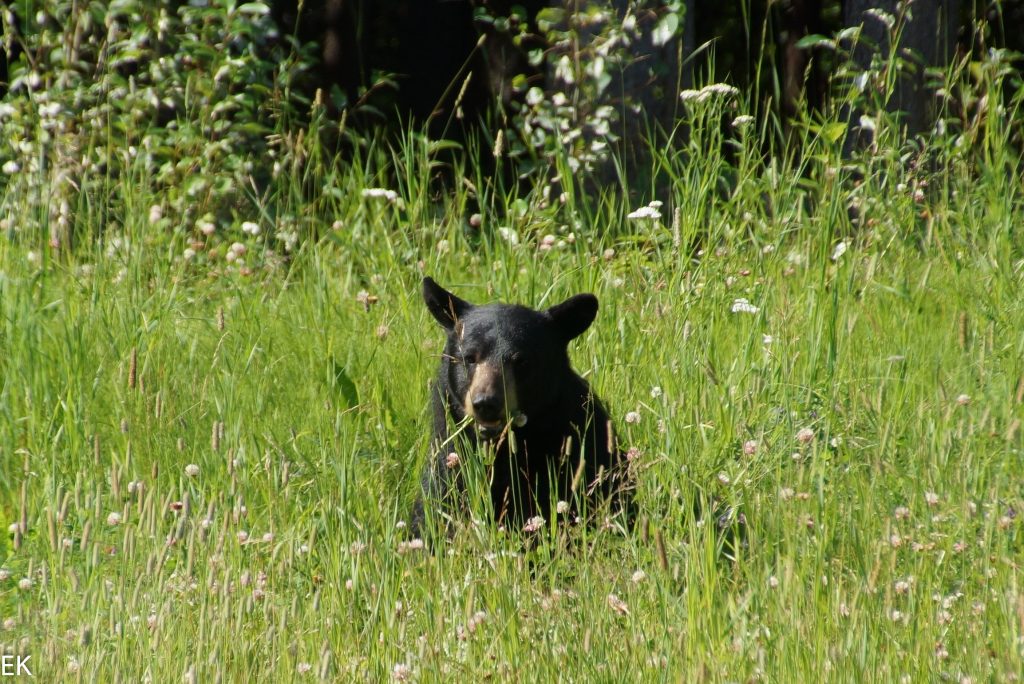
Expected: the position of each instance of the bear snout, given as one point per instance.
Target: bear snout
(487, 407)
(490, 399)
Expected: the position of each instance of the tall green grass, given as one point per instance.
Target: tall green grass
(207, 465)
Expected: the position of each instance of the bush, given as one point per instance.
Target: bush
(106, 95)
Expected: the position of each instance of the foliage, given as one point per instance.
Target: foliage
(104, 95)
(585, 53)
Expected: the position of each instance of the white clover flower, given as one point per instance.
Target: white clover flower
(509, 235)
(534, 96)
(192, 470)
(618, 605)
(7, 111)
(741, 305)
(380, 193)
(206, 227)
(533, 524)
(250, 228)
(11, 167)
(413, 545)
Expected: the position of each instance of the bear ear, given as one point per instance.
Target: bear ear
(445, 307)
(573, 316)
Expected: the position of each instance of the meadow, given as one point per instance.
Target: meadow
(212, 429)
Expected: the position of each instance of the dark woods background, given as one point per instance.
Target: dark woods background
(419, 58)
(537, 90)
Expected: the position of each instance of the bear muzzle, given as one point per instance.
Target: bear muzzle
(491, 401)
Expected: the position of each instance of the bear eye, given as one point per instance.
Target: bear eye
(471, 358)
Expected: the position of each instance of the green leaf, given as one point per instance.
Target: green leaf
(833, 131)
(813, 40)
(344, 385)
(666, 29)
(548, 17)
(519, 208)
(255, 8)
(435, 146)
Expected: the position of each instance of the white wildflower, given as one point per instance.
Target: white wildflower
(840, 250)
(741, 305)
(533, 524)
(380, 193)
(651, 211)
(509, 235)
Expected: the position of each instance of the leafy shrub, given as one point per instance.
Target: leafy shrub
(106, 98)
(586, 55)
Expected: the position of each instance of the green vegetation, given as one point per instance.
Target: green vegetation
(213, 417)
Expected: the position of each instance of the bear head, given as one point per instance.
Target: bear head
(504, 362)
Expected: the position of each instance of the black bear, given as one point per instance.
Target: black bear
(505, 371)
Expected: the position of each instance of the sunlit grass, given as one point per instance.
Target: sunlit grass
(207, 463)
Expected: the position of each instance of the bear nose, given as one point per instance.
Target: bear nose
(487, 406)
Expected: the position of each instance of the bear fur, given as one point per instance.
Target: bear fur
(505, 370)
